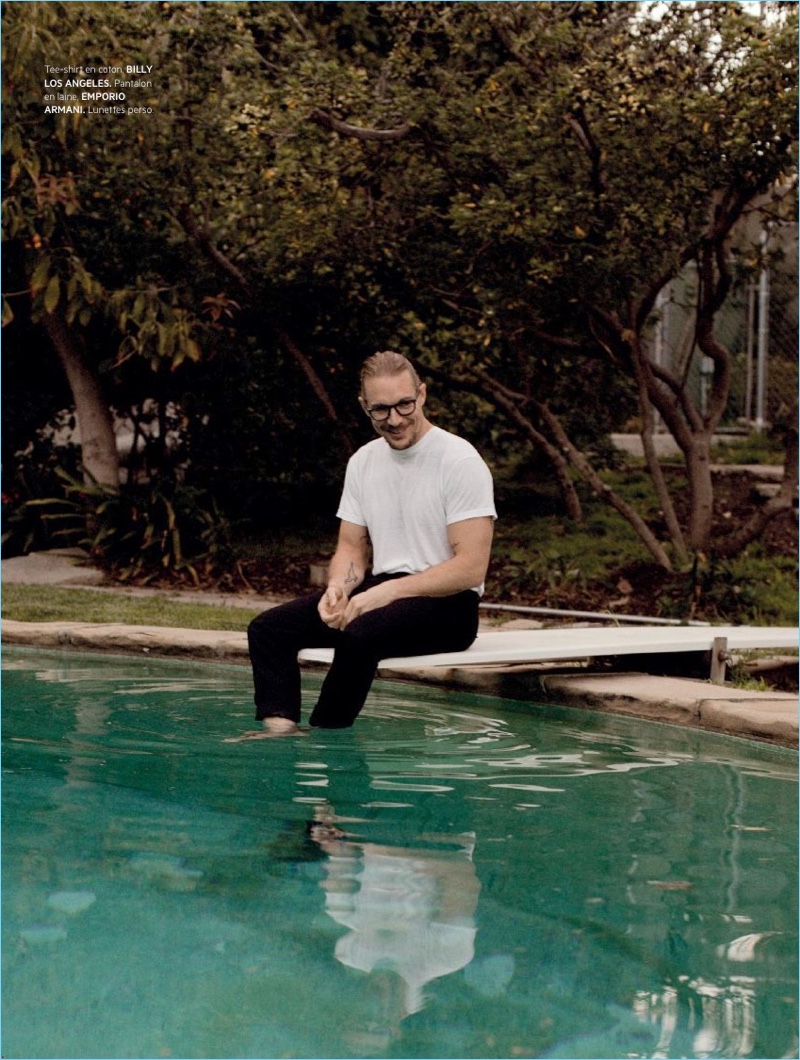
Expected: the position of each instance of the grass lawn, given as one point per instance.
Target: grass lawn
(43, 603)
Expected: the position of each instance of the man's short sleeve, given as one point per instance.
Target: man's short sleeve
(469, 490)
(350, 509)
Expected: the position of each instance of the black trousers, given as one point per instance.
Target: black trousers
(414, 626)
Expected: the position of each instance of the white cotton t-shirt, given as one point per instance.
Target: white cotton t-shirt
(407, 498)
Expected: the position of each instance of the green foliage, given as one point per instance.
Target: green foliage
(29, 524)
(533, 173)
(754, 588)
(739, 677)
(139, 532)
(89, 206)
(559, 163)
(756, 448)
(540, 556)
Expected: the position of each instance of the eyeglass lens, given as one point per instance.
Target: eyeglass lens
(382, 412)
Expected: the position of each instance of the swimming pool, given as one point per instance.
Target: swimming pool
(454, 877)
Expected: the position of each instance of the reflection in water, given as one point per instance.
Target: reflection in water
(409, 914)
(471, 883)
(713, 1020)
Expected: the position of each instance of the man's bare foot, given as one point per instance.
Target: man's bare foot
(273, 727)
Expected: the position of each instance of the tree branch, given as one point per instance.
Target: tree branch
(510, 403)
(670, 408)
(583, 134)
(317, 386)
(641, 373)
(322, 117)
(203, 239)
(581, 464)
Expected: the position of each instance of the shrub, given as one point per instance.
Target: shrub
(140, 531)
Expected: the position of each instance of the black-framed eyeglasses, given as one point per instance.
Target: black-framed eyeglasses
(406, 407)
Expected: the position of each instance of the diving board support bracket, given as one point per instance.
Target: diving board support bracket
(720, 657)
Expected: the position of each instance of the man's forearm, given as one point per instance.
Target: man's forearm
(471, 541)
(444, 579)
(347, 571)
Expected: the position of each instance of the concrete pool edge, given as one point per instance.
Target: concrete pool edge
(767, 716)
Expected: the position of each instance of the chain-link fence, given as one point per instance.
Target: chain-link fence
(782, 364)
(758, 324)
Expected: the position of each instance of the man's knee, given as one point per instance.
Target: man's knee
(267, 625)
(260, 625)
(359, 638)
(296, 621)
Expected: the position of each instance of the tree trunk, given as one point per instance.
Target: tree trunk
(642, 377)
(99, 454)
(701, 492)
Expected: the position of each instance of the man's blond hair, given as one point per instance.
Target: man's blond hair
(387, 362)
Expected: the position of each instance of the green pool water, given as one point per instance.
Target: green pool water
(454, 877)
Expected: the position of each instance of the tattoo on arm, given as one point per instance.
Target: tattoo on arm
(351, 577)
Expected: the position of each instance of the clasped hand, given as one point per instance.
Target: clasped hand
(337, 611)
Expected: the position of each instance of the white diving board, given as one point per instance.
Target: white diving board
(505, 647)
